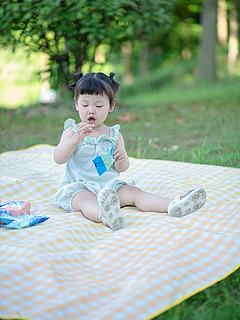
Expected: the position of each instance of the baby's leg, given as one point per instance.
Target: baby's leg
(190, 202)
(104, 208)
(86, 202)
(144, 201)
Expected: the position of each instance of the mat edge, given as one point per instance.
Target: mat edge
(189, 295)
(28, 148)
(134, 158)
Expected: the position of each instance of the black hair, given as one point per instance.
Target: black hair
(95, 83)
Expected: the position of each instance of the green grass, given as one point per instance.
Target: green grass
(222, 91)
(220, 301)
(199, 133)
(198, 124)
(206, 131)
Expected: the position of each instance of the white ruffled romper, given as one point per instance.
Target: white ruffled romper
(80, 173)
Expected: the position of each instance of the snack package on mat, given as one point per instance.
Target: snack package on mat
(22, 221)
(14, 208)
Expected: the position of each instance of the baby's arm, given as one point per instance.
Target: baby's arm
(69, 141)
(122, 162)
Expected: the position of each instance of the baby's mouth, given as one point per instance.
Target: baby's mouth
(91, 120)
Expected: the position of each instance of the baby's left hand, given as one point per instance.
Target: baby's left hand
(120, 155)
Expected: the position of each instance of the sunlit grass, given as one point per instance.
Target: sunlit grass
(20, 78)
(222, 91)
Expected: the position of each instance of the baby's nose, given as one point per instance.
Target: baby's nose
(91, 109)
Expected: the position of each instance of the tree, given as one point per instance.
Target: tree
(233, 39)
(126, 54)
(144, 58)
(207, 55)
(69, 31)
(222, 23)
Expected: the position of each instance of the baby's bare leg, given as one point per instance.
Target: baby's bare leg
(144, 201)
(86, 202)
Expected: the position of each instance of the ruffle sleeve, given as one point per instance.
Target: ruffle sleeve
(115, 133)
(70, 123)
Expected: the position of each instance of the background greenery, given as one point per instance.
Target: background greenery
(71, 31)
(163, 110)
(180, 123)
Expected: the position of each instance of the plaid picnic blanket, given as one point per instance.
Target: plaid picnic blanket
(71, 268)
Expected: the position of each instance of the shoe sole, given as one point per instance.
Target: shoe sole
(110, 207)
(189, 204)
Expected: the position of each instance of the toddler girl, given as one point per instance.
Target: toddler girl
(94, 155)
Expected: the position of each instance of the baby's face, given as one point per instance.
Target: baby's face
(93, 109)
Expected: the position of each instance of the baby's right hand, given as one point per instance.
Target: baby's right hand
(84, 130)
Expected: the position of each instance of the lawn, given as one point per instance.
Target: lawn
(198, 124)
(161, 125)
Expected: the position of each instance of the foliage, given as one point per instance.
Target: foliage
(185, 29)
(69, 31)
(180, 40)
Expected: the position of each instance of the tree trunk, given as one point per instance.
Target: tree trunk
(127, 53)
(222, 23)
(144, 58)
(233, 40)
(207, 55)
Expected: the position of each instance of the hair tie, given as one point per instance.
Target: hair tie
(111, 75)
(78, 75)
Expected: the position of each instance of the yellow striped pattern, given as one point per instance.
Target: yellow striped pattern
(71, 268)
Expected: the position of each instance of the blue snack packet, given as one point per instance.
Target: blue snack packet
(103, 162)
(22, 221)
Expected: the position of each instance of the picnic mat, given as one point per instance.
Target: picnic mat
(71, 268)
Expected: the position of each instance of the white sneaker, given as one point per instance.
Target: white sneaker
(111, 214)
(192, 201)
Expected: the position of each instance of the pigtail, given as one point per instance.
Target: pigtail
(111, 75)
(114, 83)
(78, 76)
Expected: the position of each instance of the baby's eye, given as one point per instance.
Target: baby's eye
(99, 106)
(84, 105)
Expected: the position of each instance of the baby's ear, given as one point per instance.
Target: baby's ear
(113, 105)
